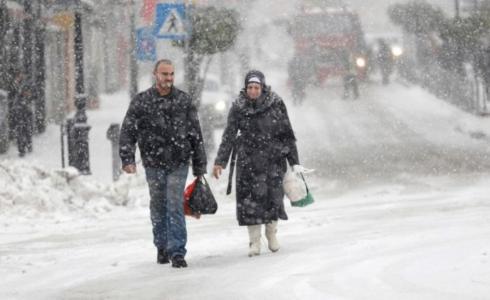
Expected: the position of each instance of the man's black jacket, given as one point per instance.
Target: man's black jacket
(166, 129)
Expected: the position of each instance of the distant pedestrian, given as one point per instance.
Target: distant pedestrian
(385, 60)
(163, 122)
(484, 66)
(259, 136)
(351, 85)
(298, 71)
(21, 115)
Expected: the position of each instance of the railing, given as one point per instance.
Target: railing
(466, 91)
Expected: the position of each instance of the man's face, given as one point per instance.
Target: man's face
(254, 90)
(164, 76)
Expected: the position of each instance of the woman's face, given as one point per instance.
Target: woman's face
(254, 90)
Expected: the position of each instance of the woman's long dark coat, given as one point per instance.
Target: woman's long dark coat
(264, 140)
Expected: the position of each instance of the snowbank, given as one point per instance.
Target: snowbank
(29, 190)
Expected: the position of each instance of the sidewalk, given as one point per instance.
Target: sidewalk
(47, 146)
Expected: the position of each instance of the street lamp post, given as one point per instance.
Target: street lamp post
(133, 64)
(40, 74)
(24, 113)
(77, 127)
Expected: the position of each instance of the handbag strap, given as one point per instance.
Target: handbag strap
(232, 169)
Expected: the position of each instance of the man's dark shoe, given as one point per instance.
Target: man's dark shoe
(162, 257)
(178, 261)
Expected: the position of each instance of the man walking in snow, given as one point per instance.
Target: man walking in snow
(163, 121)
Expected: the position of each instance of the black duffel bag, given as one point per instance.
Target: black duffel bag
(202, 200)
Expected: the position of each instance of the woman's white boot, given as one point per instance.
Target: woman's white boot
(270, 234)
(254, 235)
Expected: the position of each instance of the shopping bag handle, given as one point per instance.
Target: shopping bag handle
(306, 185)
(204, 180)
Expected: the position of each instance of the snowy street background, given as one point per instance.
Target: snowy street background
(402, 206)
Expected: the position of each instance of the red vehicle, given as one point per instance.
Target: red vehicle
(328, 42)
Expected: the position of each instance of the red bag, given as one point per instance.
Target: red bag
(187, 195)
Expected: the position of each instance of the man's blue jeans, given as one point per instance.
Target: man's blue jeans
(167, 209)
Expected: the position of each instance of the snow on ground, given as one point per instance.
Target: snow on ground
(401, 212)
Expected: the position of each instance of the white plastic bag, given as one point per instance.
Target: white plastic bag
(294, 186)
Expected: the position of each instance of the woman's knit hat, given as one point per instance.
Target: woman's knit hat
(255, 76)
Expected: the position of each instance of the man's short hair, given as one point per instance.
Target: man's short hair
(162, 61)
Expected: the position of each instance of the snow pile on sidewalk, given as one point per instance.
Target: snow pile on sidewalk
(29, 190)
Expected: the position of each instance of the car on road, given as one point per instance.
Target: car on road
(323, 37)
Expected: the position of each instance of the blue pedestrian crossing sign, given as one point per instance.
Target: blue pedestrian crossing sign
(145, 44)
(170, 21)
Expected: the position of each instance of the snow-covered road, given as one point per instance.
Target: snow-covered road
(417, 241)
(386, 132)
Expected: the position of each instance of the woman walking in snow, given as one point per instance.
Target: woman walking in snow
(259, 133)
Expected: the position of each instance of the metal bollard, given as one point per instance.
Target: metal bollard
(113, 136)
(69, 141)
(78, 148)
